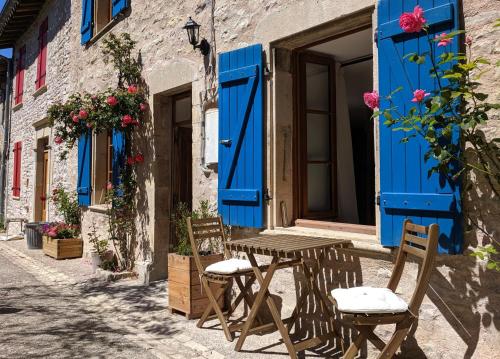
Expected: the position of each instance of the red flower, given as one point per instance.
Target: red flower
(412, 21)
(109, 186)
(372, 99)
(130, 160)
(89, 125)
(139, 158)
(132, 89)
(71, 114)
(83, 114)
(58, 140)
(127, 119)
(112, 101)
(135, 123)
(468, 40)
(443, 41)
(418, 95)
(76, 119)
(143, 107)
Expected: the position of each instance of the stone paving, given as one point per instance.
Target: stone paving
(132, 319)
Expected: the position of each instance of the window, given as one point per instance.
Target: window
(16, 180)
(103, 165)
(41, 69)
(21, 58)
(102, 14)
(96, 14)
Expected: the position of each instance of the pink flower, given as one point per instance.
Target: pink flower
(89, 125)
(418, 95)
(58, 140)
(93, 97)
(76, 119)
(71, 114)
(443, 41)
(143, 107)
(83, 114)
(372, 99)
(135, 123)
(130, 160)
(127, 119)
(109, 186)
(52, 232)
(132, 89)
(112, 101)
(124, 125)
(139, 158)
(412, 21)
(468, 40)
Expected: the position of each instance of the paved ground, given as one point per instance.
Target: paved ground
(54, 309)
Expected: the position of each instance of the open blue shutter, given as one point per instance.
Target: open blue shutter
(84, 189)
(241, 155)
(118, 156)
(86, 29)
(118, 7)
(406, 191)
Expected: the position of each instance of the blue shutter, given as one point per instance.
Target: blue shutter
(241, 156)
(86, 29)
(118, 7)
(406, 191)
(118, 155)
(84, 188)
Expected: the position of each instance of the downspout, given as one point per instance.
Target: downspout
(6, 137)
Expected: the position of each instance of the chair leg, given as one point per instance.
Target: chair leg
(354, 348)
(210, 308)
(218, 311)
(397, 338)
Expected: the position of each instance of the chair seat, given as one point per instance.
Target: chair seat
(229, 266)
(368, 300)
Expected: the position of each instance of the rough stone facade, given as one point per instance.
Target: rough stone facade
(459, 317)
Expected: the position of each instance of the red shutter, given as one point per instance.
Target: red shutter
(18, 97)
(42, 55)
(16, 181)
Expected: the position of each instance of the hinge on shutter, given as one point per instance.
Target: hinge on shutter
(267, 196)
(378, 200)
(375, 36)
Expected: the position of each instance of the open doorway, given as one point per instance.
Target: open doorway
(334, 139)
(42, 179)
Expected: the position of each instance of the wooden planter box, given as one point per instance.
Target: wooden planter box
(62, 248)
(185, 292)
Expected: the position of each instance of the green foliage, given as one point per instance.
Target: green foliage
(118, 51)
(67, 205)
(488, 252)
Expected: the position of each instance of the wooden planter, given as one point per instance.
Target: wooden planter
(185, 292)
(62, 248)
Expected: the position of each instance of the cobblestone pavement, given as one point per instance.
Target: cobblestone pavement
(55, 309)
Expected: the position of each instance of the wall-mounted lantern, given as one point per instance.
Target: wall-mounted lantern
(193, 31)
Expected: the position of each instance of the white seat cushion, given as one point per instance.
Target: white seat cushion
(368, 300)
(229, 266)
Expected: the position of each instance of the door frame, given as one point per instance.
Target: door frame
(300, 135)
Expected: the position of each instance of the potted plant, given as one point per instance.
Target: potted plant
(185, 292)
(61, 240)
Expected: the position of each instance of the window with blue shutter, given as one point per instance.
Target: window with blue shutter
(118, 156)
(406, 190)
(118, 6)
(96, 14)
(241, 151)
(84, 188)
(86, 29)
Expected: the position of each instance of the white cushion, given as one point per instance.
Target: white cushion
(368, 300)
(229, 266)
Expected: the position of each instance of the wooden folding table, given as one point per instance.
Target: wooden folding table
(289, 248)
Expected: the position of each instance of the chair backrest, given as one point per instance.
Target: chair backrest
(203, 230)
(420, 241)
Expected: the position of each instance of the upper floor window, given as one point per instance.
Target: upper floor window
(21, 59)
(41, 69)
(102, 14)
(96, 14)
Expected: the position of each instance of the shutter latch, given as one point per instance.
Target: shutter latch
(375, 36)
(267, 196)
(378, 199)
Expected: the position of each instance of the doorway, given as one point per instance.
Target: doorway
(42, 180)
(334, 134)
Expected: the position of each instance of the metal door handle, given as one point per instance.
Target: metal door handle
(226, 143)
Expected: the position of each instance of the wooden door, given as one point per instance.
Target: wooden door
(45, 186)
(316, 137)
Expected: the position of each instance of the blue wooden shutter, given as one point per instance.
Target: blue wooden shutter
(84, 188)
(86, 29)
(118, 155)
(118, 6)
(241, 159)
(406, 191)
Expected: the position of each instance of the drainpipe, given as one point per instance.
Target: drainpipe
(6, 137)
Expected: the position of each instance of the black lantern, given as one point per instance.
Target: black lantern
(193, 31)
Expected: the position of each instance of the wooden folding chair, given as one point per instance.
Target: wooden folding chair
(382, 306)
(220, 274)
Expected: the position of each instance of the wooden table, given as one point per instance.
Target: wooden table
(291, 248)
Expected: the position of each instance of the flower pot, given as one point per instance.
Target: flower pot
(95, 260)
(185, 293)
(62, 248)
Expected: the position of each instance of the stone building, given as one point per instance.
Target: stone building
(295, 173)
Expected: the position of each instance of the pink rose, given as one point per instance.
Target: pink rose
(52, 233)
(109, 186)
(89, 125)
(93, 97)
(58, 140)
(76, 119)
(468, 40)
(71, 114)
(112, 101)
(443, 41)
(132, 89)
(412, 21)
(130, 160)
(372, 99)
(124, 125)
(135, 123)
(143, 107)
(139, 158)
(418, 95)
(83, 114)
(127, 119)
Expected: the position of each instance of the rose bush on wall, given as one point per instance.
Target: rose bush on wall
(456, 105)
